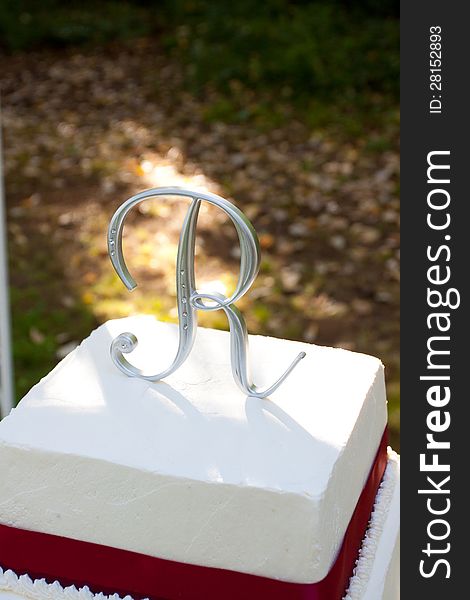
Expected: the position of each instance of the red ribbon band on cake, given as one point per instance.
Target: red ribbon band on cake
(111, 570)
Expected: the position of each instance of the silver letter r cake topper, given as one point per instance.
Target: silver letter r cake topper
(188, 298)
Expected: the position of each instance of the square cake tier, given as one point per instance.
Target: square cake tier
(376, 575)
(189, 469)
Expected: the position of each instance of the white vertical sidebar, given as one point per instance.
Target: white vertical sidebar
(6, 363)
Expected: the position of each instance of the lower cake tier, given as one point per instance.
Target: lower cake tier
(375, 575)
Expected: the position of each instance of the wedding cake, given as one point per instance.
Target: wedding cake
(187, 488)
(135, 478)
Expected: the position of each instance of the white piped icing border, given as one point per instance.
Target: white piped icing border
(360, 579)
(41, 590)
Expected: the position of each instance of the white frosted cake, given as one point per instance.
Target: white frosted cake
(193, 473)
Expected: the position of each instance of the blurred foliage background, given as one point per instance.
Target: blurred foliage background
(289, 108)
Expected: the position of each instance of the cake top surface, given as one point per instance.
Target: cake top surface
(196, 423)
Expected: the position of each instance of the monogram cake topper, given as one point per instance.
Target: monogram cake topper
(189, 300)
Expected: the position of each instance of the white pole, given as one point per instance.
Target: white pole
(6, 365)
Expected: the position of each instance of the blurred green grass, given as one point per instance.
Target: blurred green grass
(335, 61)
(308, 53)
